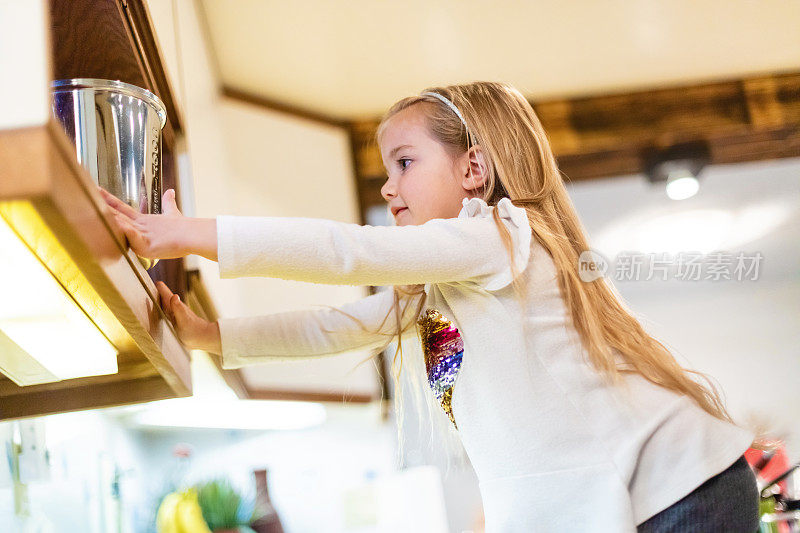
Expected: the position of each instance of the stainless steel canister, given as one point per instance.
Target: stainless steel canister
(116, 130)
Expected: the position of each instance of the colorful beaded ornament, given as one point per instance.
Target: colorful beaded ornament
(443, 348)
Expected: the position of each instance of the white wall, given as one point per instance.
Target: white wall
(24, 64)
(746, 338)
(283, 166)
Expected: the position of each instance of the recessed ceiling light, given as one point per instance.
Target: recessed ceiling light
(682, 184)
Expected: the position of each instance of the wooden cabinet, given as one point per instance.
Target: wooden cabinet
(52, 204)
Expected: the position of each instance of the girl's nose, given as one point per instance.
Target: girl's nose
(388, 190)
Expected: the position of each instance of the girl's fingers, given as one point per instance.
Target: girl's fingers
(119, 222)
(169, 206)
(165, 295)
(124, 220)
(175, 305)
(118, 204)
(171, 302)
(163, 292)
(190, 327)
(131, 233)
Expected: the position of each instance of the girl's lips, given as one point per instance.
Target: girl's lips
(400, 211)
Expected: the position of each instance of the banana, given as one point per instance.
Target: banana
(189, 516)
(165, 519)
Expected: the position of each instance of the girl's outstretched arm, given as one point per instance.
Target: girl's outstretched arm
(310, 333)
(317, 250)
(326, 251)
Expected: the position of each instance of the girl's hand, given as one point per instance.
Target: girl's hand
(150, 236)
(194, 332)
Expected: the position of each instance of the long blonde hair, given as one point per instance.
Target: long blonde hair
(522, 167)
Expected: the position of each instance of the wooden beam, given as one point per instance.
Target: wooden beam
(748, 119)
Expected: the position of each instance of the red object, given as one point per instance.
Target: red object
(182, 450)
(775, 466)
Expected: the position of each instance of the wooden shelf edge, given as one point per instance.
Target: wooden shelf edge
(77, 215)
(85, 397)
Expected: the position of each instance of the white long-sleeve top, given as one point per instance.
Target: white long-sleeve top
(553, 446)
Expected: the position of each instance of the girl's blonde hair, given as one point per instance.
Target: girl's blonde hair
(521, 165)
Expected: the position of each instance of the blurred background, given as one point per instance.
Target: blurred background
(676, 126)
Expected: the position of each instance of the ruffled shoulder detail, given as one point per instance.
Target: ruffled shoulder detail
(516, 220)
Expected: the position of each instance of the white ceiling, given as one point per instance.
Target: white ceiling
(353, 59)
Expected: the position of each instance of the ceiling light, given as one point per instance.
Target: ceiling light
(678, 167)
(682, 184)
(45, 335)
(230, 414)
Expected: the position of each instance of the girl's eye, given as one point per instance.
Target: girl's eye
(401, 163)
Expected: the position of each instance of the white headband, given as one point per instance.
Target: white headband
(450, 104)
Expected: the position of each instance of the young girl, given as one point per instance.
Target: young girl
(573, 417)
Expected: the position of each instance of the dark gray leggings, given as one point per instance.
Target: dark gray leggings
(727, 502)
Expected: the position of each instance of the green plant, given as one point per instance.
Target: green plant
(223, 507)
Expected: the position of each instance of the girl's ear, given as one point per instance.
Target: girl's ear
(475, 170)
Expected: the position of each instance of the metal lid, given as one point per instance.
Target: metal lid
(115, 86)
